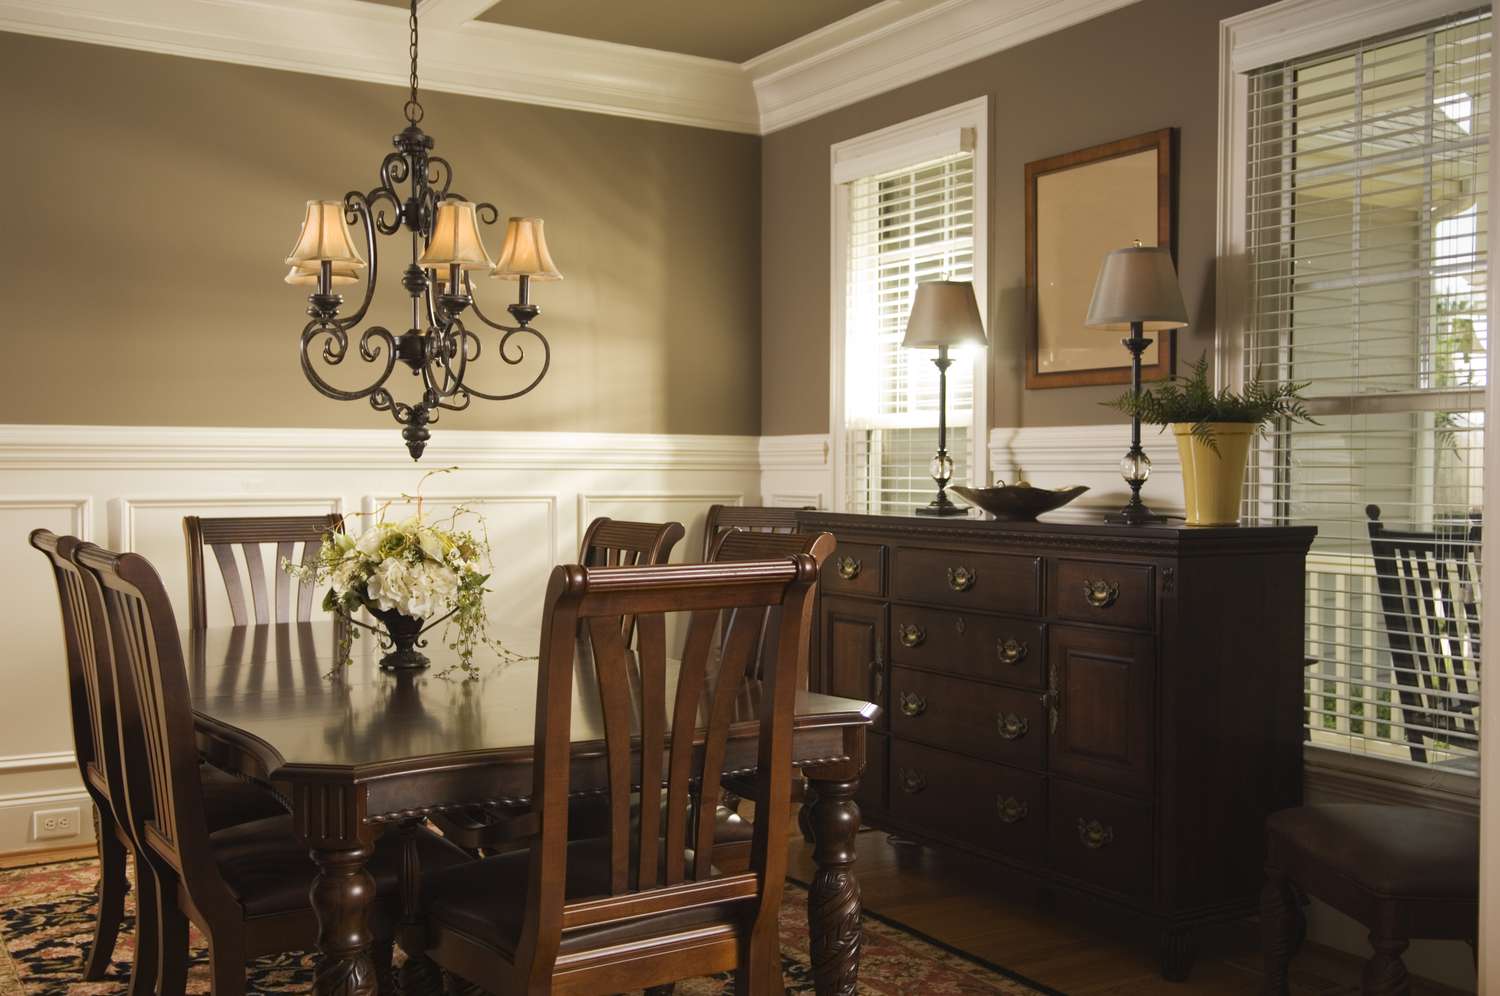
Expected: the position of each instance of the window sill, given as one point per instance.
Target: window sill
(1336, 776)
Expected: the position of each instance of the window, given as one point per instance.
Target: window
(1366, 242)
(907, 210)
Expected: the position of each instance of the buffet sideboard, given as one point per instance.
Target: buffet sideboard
(1109, 712)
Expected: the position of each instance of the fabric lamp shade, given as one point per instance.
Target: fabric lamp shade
(525, 253)
(324, 235)
(455, 239)
(1137, 284)
(306, 274)
(944, 313)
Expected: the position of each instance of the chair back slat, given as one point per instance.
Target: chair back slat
(742, 635)
(648, 855)
(751, 518)
(91, 704)
(156, 723)
(1427, 583)
(268, 604)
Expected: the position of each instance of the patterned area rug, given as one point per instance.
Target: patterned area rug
(47, 916)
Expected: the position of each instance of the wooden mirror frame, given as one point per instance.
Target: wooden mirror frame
(1164, 141)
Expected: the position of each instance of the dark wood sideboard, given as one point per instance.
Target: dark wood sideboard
(1109, 712)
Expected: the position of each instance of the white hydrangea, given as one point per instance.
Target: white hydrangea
(418, 590)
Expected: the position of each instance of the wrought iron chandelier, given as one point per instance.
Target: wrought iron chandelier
(414, 193)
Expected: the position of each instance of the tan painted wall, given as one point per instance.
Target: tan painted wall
(153, 198)
(1150, 65)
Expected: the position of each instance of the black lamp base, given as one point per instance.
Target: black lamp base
(940, 506)
(1134, 516)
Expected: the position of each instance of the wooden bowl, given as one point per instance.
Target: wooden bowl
(1019, 502)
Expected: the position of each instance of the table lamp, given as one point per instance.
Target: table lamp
(1137, 290)
(944, 314)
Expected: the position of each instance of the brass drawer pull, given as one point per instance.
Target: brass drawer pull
(961, 578)
(1012, 727)
(911, 781)
(912, 704)
(849, 568)
(1012, 810)
(1101, 594)
(1093, 834)
(911, 635)
(1011, 650)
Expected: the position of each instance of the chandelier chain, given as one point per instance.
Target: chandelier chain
(413, 107)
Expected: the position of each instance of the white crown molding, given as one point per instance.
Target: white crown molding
(367, 41)
(51, 447)
(932, 40)
(883, 47)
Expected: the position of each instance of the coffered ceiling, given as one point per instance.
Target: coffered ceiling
(755, 66)
(734, 32)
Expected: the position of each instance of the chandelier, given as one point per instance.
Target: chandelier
(446, 250)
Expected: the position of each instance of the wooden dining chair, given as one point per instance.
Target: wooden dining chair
(96, 743)
(642, 907)
(606, 543)
(751, 518)
(222, 535)
(245, 887)
(1429, 584)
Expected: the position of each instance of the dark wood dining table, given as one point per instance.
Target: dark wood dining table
(360, 752)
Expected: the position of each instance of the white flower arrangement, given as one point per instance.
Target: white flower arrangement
(413, 567)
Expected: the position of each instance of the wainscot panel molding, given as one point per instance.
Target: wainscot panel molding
(1063, 455)
(795, 471)
(132, 486)
(878, 49)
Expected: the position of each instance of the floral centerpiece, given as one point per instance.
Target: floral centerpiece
(410, 575)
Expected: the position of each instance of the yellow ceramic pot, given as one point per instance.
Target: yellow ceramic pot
(1213, 482)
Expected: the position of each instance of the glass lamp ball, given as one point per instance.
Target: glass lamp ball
(1135, 467)
(941, 467)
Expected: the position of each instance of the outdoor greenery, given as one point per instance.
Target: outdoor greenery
(1194, 400)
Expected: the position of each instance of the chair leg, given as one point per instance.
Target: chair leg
(663, 990)
(228, 963)
(1281, 930)
(759, 972)
(172, 946)
(111, 912)
(383, 953)
(146, 966)
(1385, 973)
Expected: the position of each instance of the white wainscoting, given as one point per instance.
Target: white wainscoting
(129, 488)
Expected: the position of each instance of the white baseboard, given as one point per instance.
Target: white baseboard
(16, 809)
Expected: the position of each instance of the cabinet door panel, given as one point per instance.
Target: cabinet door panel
(1101, 686)
(853, 658)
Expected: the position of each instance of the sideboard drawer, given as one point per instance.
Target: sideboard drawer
(989, 582)
(855, 569)
(1114, 594)
(987, 805)
(998, 648)
(1101, 838)
(1001, 724)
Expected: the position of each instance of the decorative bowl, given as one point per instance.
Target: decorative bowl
(1019, 502)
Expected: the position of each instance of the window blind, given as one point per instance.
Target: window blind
(906, 226)
(1367, 241)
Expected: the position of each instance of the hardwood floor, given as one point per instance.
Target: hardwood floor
(966, 903)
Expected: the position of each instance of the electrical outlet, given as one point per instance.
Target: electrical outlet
(49, 824)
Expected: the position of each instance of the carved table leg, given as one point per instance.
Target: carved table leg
(1179, 949)
(342, 895)
(833, 907)
(1385, 973)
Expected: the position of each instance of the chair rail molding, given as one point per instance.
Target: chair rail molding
(868, 53)
(1250, 41)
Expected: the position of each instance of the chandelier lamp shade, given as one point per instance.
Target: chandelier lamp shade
(439, 347)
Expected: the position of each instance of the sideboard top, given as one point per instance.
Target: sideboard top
(1168, 537)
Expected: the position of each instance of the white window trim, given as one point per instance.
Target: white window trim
(954, 128)
(1250, 41)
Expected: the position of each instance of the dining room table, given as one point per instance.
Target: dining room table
(358, 751)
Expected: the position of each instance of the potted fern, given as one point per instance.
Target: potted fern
(1213, 430)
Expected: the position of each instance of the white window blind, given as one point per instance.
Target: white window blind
(1367, 236)
(905, 226)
